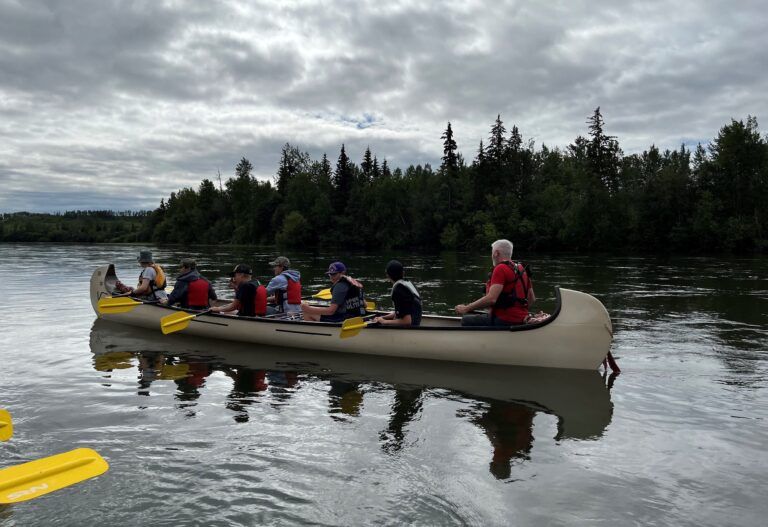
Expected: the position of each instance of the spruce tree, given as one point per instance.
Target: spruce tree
(342, 181)
(450, 161)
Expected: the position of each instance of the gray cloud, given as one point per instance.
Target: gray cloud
(100, 100)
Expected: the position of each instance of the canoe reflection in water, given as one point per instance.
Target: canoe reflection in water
(502, 401)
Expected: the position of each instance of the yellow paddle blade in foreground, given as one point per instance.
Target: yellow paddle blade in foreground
(36, 478)
(176, 322)
(352, 327)
(325, 294)
(6, 425)
(118, 304)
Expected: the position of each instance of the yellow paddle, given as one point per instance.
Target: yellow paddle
(178, 321)
(6, 425)
(36, 478)
(352, 327)
(325, 294)
(118, 304)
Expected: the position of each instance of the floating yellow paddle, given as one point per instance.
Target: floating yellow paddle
(178, 321)
(325, 294)
(36, 478)
(118, 304)
(6, 425)
(352, 327)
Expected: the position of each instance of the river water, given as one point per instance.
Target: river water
(205, 433)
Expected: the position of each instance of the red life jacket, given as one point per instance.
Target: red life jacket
(260, 301)
(294, 291)
(512, 304)
(197, 293)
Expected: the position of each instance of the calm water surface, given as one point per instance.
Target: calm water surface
(205, 433)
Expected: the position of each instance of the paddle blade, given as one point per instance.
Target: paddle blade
(175, 322)
(111, 306)
(36, 478)
(6, 425)
(370, 306)
(174, 372)
(325, 294)
(351, 327)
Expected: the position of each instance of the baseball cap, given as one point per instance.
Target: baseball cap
(241, 268)
(282, 261)
(336, 267)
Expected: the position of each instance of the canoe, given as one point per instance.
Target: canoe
(577, 335)
(579, 399)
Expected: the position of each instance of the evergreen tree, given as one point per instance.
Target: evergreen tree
(497, 143)
(603, 153)
(450, 161)
(385, 172)
(367, 164)
(375, 170)
(342, 181)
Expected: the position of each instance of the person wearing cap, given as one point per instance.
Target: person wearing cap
(508, 292)
(347, 298)
(405, 297)
(284, 290)
(191, 290)
(250, 296)
(148, 288)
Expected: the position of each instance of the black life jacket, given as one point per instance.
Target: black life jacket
(354, 302)
(519, 293)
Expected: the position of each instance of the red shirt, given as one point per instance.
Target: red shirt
(504, 275)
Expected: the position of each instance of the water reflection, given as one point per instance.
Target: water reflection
(509, 428)
(406, 407)
(502, 402)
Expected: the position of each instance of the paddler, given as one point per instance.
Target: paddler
(405, 297)
(347, 298)
(508, 292)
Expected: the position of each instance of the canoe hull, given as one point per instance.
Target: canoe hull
(577, 337)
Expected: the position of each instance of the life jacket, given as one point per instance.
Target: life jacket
(197, 293)
(354, 302)
(158, 284)
(292, 293)
(416, 313)
(519, 293)
(260, 300)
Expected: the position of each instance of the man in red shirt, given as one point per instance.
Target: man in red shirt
(509, 292)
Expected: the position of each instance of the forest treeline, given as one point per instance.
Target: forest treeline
(586, 196)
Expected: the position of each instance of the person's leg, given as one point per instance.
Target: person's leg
(496, 321)
(476, 320)
(272, 310)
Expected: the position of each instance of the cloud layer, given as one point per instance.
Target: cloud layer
(115, 104)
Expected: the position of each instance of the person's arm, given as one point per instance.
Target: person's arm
(531, 296)
(232, 306)
(390, 320)
(143, 288)
(319, 310)
(486, 301)
(179, 288)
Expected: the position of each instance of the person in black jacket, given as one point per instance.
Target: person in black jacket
(405, 297)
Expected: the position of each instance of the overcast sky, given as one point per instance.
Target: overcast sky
(113, 105)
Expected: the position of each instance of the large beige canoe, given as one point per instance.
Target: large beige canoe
(577, 336)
